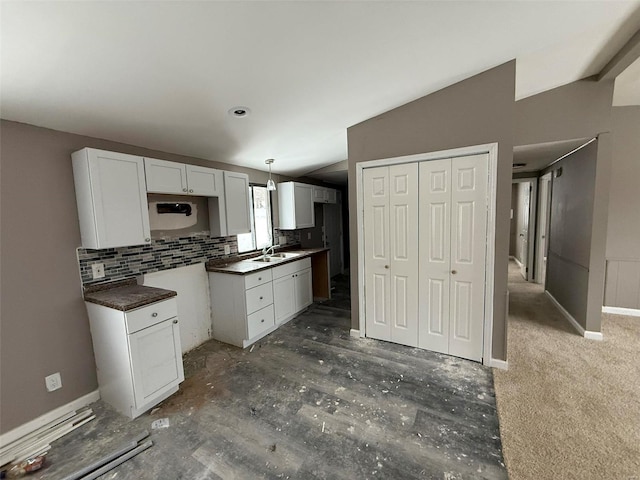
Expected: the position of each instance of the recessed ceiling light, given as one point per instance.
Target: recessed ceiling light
(519, 165)
(239, 112)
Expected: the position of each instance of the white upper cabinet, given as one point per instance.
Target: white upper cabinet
(229, 214)
(181, 179)
(324, 195)
(111, 198)
(319, 194)
(295, 205)
(204, 181)
(236, 192)
(332, 195)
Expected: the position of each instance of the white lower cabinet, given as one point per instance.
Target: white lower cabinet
(292, 289)
(138, 355)
(245, 308)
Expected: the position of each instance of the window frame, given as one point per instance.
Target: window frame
(254, 247)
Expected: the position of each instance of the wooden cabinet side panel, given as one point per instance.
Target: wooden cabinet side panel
(228, 310)
(84, 199)
(113, 362)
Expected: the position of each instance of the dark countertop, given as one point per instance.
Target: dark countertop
(245, 266)
(125, 295)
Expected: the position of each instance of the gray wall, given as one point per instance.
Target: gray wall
(578, 110)
(44, 327)
(623, 232)
(570, 231)
(475, 111)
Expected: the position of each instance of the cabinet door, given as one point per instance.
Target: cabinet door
(165, 177)
(332, 195)
(156, 360)
(303, 200)
(284, 297)
(204, 181)
(119, 199)
(236, 192)
(319, 194)
(303, 289)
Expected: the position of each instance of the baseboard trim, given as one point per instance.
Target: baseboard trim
(355, 333)
(42, 420)
(588, 334)
(497, 363)
(518, 262)
(621, 311)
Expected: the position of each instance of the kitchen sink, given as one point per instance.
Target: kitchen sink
(285, 255)
(276, 257)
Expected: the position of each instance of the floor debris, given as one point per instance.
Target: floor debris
(160, 423)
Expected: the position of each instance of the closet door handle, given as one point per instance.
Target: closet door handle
(386, 266)
(454, 272)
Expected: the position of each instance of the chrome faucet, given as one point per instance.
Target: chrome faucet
(265, 250)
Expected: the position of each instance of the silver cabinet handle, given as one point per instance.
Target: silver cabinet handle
(175, 321)
(191, 191)
(154, 314)
(262, 321)
(184, 189)
(147, 240)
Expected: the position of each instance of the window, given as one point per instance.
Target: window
(261, 234)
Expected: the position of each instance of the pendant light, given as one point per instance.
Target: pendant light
(271, 185)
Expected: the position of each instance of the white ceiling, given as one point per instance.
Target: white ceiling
(164, 74)
(538, 156)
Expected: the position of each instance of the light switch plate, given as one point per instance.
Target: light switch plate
(227, 249)
(282, 240)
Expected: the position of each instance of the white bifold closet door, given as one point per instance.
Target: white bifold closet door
(453, 231)
(391, 253)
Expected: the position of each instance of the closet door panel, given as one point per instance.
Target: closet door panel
(377, 253)
(468, 246)
(403, 226)
(435, 253)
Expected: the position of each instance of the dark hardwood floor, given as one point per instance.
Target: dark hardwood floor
(308, 402)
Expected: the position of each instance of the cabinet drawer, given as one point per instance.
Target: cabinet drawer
(258, 278)
(146, 316)
(260, 321)
(289, 268)
(259, 297)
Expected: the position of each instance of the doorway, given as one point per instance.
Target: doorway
(523, 224)
(542, 234)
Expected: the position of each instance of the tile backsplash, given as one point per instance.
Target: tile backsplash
(161, 254)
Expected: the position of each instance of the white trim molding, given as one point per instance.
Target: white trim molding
(355, 333)
(633, 312)
(42, 420)
(497, 363)
(492, 150)
(588, 334)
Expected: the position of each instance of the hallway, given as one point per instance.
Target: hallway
(568, 406)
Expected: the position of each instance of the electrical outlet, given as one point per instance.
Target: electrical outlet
(98, 270)
(309, 236)
(227, 249)
(282, 240)
(53, 382)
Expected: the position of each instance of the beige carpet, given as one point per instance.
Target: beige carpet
(569, 408)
